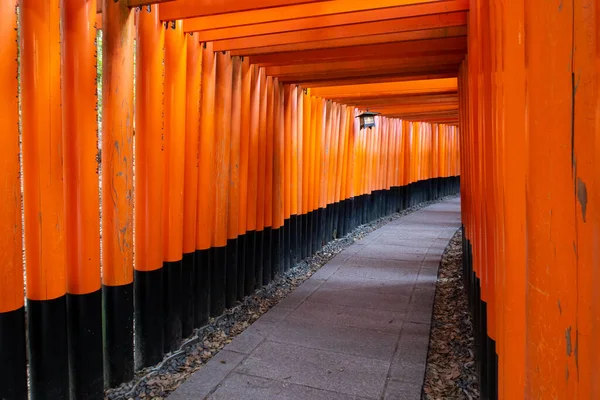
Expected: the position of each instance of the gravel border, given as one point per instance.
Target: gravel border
(451, 371)
(157, 382)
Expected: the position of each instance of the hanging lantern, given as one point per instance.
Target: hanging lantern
(367, 119)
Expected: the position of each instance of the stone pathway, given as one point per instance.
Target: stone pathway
(357, 329)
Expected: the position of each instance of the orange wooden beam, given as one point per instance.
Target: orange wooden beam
(417, 108)
(402, 100)
(454, 31)
(413, 49)
(266, 15)
(425, 116)
(300, 78)
(296, 24)
(134, 3)
(363, 65)
(413, 87)
(419, 75)
(194, 8)
(351, 30)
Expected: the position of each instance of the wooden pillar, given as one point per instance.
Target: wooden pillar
(44, 209)
(149, 182)
(82, 225)
(206, 181)
(13, 361)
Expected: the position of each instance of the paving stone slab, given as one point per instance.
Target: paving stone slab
(247, 387)
(359, 271)
(344, 316)
(199, 385)
(347, 297)
(301, 293)
(342, 373)
(403, 287)
(350, 340)
(360, 260)
(397, 390)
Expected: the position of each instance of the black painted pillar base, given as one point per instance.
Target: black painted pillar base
(13, 358)
(335, 231)
(293, 240)
(302, 253)
(492, 368)
(47, 321)
(202, 287)
(276, 252)
(322, 224)
(172, 305)
(241, 266)
(349, 215)
(481, 350)
(286, 245)
(329, 223)
(258, 259)
(308, 234)
(267, 256)
(341, 219)
(314, 232)
(118, 334)
(249, 256)
(149, 317)
(231, 271)
(84, 323)
(187, 294)
(218, 266)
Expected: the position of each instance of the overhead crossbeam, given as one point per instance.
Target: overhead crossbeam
(362, 65)
(296, 24)
(455, 31)
(411, 49)
(434, 21)
(349, 75)
(187, 9)
(181, 9)
(381, 78)
(406, 100)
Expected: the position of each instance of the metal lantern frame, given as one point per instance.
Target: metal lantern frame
(367, 119)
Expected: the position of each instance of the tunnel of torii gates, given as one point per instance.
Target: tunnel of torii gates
(228, 148)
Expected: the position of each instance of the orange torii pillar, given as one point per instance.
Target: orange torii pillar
(149, 181)
(206, 182)
(278, 169)
(45, 252)
(287, 174)
(332, 164)
(190, 184)
(174, 152)
(221, 158)
(268, 203)
(306, 126)
(13, 362)
(347, 185)
(235, 280)
(339, 177)
(311, 217)
(299, 156)
(320, 173)
(293, 176)
(82, 225)
(117, 190)
(260, 182)
(246, 87)
(253, 134)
